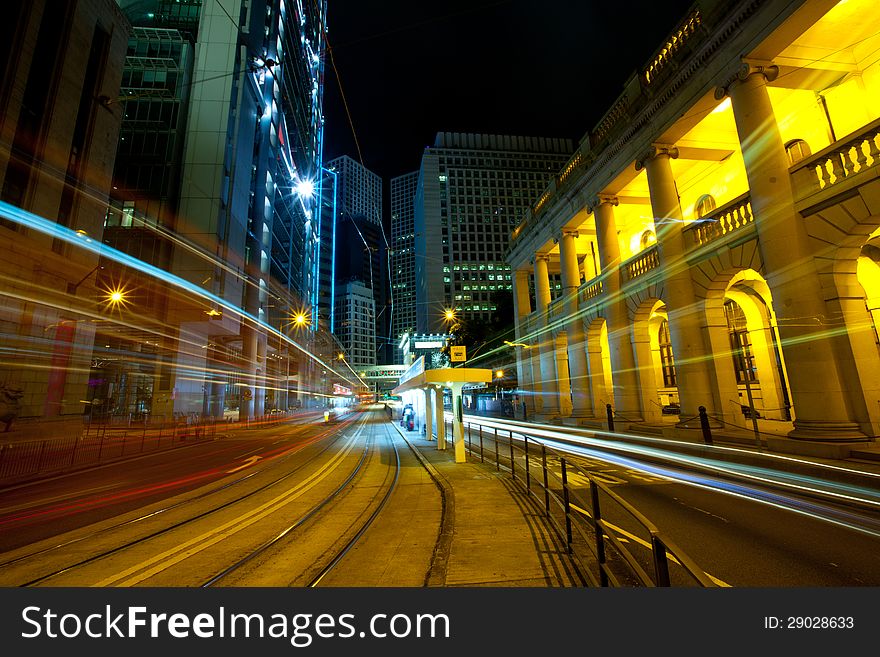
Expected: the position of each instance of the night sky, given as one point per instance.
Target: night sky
(526, 67)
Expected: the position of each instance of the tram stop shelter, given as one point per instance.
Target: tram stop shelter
(425, 390)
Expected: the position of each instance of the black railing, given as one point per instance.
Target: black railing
(580, 520)
(98, 443)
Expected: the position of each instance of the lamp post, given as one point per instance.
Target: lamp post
(300, 320)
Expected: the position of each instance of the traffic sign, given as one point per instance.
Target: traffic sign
(457, 354)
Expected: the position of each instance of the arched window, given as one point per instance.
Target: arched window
(667, 363)
(740, 344)
(647, 239)
(704, 205)
(797, 150)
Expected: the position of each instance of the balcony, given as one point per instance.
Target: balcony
(641, 263)
(591, 289)
(845, 164)
(731, 217)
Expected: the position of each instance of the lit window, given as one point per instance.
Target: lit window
(797, 150)
(740, 343)
(704, 205)
(667, 362)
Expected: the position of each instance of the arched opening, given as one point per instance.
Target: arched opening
(652, 347)
(599, 365)
(868, 274)
(755, 351)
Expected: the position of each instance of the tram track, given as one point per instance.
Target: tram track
(323, 511)
(245, 477)
(295, 529)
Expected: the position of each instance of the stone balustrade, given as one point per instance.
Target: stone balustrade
(726, 219)
(641, 263)
(842, 160)
(591, 289)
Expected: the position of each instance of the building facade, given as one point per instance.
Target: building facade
(58, 130)
(217, 183)
(361, 243)
(471, 190)
(402, 256)
(356, 325)
(359, 190)
(362, 259)
(716, 236)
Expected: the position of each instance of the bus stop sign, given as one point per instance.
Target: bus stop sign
(457, 354)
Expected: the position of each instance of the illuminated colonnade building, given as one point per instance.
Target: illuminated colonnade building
(717, 234)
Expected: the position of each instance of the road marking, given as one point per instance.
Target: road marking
(175, 555)
(246, 464)
(578, 479)
(608, 479)
(647, 545)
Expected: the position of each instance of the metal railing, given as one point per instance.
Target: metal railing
(594, 542)
(98, 443)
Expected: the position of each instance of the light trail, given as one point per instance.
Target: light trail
(754, 476)
(36, 222)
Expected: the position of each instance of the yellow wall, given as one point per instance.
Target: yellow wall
(723, 180)
(848, 106)
(800, 116)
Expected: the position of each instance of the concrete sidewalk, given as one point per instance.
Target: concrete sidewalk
(491, 533)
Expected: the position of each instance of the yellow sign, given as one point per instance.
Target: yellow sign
(457, 354)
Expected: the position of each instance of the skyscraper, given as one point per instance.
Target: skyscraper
(360, 190)
(218, 183)
(472, 190)
(360, 238)
(402, 258)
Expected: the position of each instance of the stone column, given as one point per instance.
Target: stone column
(821, 395)
(247, 391)
(522, 309)
(623, 365)
(217, 383)
(260, 385)
(597, 375)
(649, 400)
(692, 371)
(549, 388)
(581, 400)
(563, 380)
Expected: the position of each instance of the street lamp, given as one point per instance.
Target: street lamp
(299, 319)
(499, 374)
(304, 188)
(116, 297)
